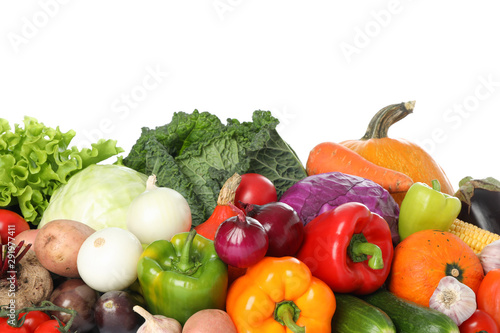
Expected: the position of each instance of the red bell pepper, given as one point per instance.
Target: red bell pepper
(349, 248)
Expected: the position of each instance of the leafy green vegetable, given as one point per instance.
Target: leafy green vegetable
(98, 196)
(195, 154)
(35, 161)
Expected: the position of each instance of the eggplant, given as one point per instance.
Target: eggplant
(480, 202)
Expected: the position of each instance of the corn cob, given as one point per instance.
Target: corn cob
(472, 235)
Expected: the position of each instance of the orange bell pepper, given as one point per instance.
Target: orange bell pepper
(280, 295)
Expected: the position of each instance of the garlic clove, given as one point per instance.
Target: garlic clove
(490, 256)
(157, 323)
(454, 299)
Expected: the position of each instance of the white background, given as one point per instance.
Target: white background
(322, 67)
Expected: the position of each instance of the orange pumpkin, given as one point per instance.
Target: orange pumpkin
(398, 154)
(422, 259)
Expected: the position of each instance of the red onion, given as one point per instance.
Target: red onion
(241, 241)
(283, 226)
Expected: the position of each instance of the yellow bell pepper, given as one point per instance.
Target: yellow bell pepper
(280, 295)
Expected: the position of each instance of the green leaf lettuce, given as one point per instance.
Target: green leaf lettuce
(36, 160)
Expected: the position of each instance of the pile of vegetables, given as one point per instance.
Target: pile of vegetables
(36, 160)
(196, 153)
(212, 227)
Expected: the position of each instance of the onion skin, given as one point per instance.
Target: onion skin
(283, 226)
(241, 241)
(158, 213)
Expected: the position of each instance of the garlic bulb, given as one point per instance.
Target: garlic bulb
(158, 323)
(454, 299)
(490, 256)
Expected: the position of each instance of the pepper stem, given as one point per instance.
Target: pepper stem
(359, 250)
(185, 264)
(286, 313)
(436, 185)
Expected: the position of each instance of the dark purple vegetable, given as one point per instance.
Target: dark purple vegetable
(114, 313)
(480, 202)
(283, 226)
(75, 294)
(241, 241)
(316, 194)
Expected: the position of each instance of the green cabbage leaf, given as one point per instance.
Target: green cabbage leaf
(98, 196)
(196, 153)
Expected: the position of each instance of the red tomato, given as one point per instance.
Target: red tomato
(488, 295)
(255, 189)
(49, 326)
(34, 319)
(6, 328)
(11, 224)
(479, 321)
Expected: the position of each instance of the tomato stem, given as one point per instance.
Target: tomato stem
(44, 306)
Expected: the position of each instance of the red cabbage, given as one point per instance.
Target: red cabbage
(316, 194)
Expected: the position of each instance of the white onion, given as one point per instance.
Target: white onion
(107, 259)
(158, 213)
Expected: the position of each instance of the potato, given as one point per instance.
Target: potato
(57, 244)
(209, 321)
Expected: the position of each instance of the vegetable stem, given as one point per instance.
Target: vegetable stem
(359, 250)
(383, 119)
(7, 258)
(185, 264)
(286, 314)
(44, 306)
(436, 185)
(228, 190)
(151, 183)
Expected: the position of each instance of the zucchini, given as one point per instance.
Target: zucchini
(410, 317)
(355, 315)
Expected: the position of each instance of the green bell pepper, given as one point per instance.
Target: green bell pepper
(425, 207)
(182, 276)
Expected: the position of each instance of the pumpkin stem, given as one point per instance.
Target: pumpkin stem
(228, 190)
(382, 120)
